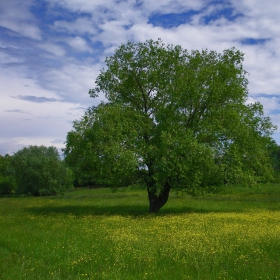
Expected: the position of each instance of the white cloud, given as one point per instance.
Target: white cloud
(83, 5)
(15, 15)
(71, 82)
(27, 123)
(79, 44)
(6, 58)
(171, 6)
(78, 26)
(52, 48)
(113, 33)
(10, 146)
(262, 16)
(263, 67)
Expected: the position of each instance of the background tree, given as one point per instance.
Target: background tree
(7, 182)
(274, 151)
(174, 119)
(39, 171)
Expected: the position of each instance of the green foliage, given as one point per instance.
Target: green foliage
(39, 171)
(174, 119)
(274, 152)
(7, 182)
(4, 164)
(7, 185)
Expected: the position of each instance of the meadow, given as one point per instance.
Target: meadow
(97, 234)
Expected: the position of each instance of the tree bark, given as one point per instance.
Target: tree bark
(158, 200)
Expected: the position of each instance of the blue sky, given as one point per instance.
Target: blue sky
(51, 52)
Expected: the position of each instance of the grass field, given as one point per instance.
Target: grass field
(97, 234)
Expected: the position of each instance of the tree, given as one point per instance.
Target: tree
(7, 182)
(173, 119)
(274, 151)
(38, 170)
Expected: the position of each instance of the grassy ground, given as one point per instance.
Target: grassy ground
(97, 234)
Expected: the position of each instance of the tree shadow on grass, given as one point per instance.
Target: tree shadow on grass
(132, 210)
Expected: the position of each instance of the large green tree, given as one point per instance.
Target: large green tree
(39, 170)
(173, 119)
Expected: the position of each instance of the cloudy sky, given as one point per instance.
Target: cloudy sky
(51, 51)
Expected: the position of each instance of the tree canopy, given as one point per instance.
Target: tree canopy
(173, 119)
(7, 182)
(38, 170)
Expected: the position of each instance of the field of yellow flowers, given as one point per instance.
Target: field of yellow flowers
(97, 234)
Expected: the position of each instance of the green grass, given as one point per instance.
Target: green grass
(97, 234)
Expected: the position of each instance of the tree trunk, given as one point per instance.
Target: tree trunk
(157, 201)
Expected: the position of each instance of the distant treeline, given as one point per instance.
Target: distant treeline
(36, 170)
(39, 170)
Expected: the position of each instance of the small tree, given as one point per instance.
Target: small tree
(7, 182)
(274, 151)
(173, 119)
(39, 171)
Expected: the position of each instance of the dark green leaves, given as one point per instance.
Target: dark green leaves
(39, 171)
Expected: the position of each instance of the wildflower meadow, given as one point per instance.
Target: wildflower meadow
(97, 234)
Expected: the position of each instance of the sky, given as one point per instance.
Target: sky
(51, 52)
